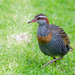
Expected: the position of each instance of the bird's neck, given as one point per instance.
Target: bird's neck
(42, 30)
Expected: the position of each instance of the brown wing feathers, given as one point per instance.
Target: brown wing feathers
(64, 36)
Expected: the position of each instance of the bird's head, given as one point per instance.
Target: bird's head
(41, 19)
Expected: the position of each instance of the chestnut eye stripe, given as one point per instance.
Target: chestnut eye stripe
(41, 17)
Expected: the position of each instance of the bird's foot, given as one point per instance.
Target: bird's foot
(50, 62)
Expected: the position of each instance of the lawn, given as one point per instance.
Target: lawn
(19, 51)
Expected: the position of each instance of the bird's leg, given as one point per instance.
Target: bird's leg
(54, 58)
(50, 62)
(55, 61)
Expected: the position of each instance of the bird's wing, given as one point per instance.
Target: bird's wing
(61, 32)
(64, 36)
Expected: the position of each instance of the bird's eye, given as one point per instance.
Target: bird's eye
(38, 18)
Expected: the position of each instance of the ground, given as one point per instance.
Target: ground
(19, 51)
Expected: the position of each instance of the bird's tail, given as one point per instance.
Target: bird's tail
(71, 49)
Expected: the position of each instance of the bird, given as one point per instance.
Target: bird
(52, 39)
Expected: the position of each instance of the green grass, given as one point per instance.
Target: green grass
(23, 57)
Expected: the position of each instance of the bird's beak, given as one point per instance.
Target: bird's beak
(33, 20)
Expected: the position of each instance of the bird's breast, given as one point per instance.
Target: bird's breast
(45, 39)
